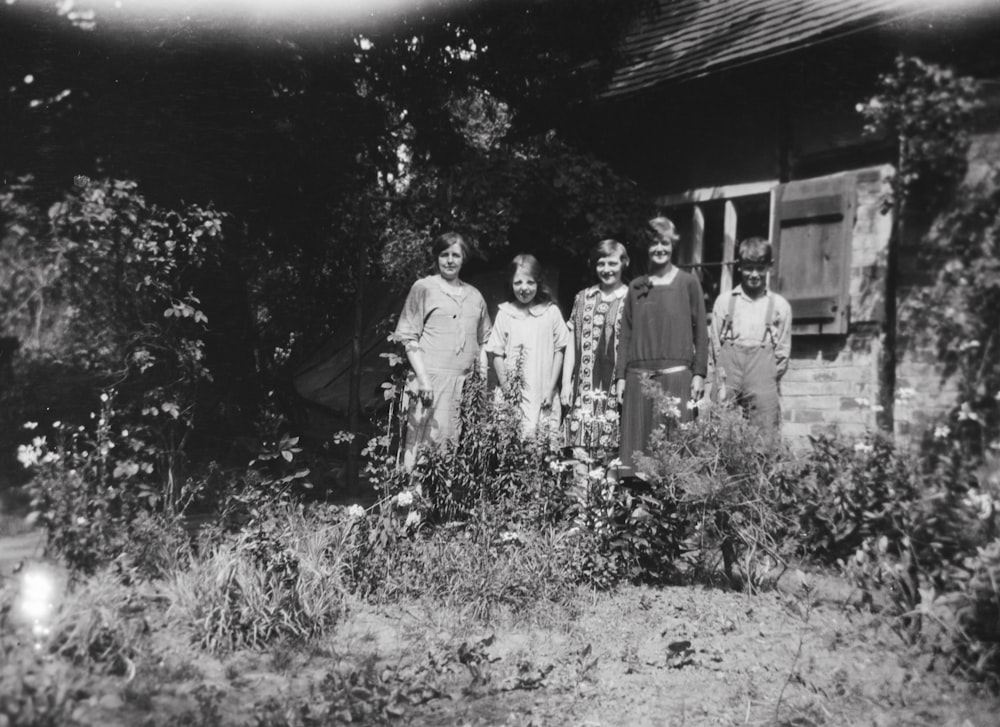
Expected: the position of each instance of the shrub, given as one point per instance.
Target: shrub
(37, 691)
(705, 489)
(846, 492)
(282, 576)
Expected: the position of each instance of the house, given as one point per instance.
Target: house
(739, 117)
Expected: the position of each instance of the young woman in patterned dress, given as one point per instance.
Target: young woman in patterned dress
(589, 376)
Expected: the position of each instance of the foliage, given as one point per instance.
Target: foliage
(846, 492)
(491, 470)
(118, 299)
(84, 493)
(704, 490)
(36, 691)
(928, 109)
(957, 315)
(281, 576)
(101, 622)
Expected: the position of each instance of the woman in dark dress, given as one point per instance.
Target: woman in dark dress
(664, 336)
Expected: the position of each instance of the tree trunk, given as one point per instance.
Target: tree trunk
(354, 399)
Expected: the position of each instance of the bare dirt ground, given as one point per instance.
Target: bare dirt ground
(800, 655)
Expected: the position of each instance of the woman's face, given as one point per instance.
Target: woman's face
(660, 252)
(450, 262)
(609, 270)
(525, 287)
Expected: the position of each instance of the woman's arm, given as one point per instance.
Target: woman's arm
(499, 363)
(700, 334)
(624, 344)
(408, 330)
(556, 375)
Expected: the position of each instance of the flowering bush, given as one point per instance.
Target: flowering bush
(702, 496)
(847, 491)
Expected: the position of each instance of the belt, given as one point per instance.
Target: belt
(671, 370)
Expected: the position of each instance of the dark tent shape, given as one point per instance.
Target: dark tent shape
(325, 378)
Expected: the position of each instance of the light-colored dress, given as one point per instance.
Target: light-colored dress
(530, 338)
(448, 324)
(595, 323)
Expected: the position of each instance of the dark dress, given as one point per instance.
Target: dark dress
(664, 335)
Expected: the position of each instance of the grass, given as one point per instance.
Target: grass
(478, 645)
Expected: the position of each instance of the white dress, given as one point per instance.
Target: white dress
(530, 337)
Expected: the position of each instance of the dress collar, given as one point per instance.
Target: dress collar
(595, 291)
(522, 313)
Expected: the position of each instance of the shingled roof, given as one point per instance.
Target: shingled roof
(685, 39)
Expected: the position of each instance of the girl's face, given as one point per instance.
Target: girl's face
(609, 270)
(660, 252)
(450, 262)
(525, 287)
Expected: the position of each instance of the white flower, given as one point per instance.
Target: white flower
(596, 474)
(510, 537)
(355, 512)
(30, 425)
(81, 520)
(968, 345)
(965, 413)
(615, 463)
(27, 455)
(941, 431)
(124, 432)
(404, 499)
(104, 397)
(863, 448)
(56, 424)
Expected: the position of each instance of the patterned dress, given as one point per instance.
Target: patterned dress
(448, 324)
(593, 418)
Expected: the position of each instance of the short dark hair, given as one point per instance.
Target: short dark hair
(445, 240)
(755, 250)
(534, 269)
(607, 248)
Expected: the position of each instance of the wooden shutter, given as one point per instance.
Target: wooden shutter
(811, 229)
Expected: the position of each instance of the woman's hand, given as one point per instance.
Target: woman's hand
(620, 390)
(425, 393)
(697, 387)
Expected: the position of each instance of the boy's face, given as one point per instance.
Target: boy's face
(754, 274)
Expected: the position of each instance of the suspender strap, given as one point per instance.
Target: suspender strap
(769, 333)
(727, 323)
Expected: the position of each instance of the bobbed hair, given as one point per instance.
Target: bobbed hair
(755, 250)
(663, 229)
(607, 248)
(445, 240)
(530, 265)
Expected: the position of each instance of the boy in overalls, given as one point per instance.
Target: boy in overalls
(751, 339)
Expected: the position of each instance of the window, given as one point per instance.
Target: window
(809, 223)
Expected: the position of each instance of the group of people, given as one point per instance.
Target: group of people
(583, 378)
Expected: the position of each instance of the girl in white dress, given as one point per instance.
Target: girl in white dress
(529, 335)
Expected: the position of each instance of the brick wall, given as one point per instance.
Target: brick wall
(833, 381)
